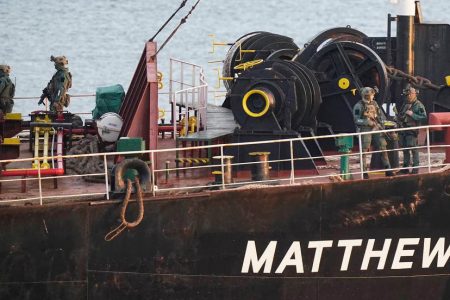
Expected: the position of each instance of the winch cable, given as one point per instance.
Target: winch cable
(183, 3)
(183, 20)
(125, 224)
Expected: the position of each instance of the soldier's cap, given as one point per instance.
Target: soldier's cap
(5, 68)
(60, 60)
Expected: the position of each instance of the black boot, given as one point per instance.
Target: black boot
(366, 176)
(404, 171)
(389, 173)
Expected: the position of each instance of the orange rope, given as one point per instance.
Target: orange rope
(125, 224)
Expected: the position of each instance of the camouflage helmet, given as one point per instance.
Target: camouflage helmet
(366, 91)
(409, 90)
(59, 60)
(5, 68)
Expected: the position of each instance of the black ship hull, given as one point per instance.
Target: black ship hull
(378, 239)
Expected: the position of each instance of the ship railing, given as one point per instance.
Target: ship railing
(191, 108)
(214, 94)
(188, 90)
(193, 178)
(293, 177)
(35, 182)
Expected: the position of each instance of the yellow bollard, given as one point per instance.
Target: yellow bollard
(37, 131)
(35, 165)
(45, 164)
(192, 124)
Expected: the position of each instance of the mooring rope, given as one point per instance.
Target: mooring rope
(87, 164)
(125, 224)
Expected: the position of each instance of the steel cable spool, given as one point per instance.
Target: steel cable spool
(314, 98)
(266, 43)
(233, 54)
(259, 80)
(303, 93)
(273, 96)
(343, 68)
(269, 49)
(337, 34)
(261, 44)
(283, 54)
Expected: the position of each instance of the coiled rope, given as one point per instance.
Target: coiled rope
(126, 224)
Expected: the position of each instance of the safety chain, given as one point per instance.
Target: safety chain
(416, 81)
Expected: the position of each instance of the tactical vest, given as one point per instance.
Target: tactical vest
(368, 111)
(408, 120)
(9, 89)
(61, 80)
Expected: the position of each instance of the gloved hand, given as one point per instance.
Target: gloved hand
(44, 95)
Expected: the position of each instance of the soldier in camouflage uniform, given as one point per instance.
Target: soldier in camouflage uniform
(411, 114)
(368, 116)
(56, 90)
(7, 90)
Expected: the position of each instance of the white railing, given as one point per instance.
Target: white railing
(189, 91)
(199, 177)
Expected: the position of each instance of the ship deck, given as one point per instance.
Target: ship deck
(178, 171)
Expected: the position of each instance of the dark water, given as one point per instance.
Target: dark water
(103, 39)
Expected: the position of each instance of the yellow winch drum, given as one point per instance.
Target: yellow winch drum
(254, 96)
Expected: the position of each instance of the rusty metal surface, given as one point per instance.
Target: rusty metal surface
(193, 247)
(134, 92)
(43, 252)
(140, 107)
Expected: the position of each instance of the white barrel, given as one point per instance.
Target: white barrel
(109, 126)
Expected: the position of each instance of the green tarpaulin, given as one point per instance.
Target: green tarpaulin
(108, 99)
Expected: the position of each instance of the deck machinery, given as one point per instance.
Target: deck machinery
(277, 90)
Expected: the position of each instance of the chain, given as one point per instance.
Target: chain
(418, 82)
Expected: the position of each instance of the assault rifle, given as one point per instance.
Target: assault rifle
(378, 124)
(400, 118)
(45, 94)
